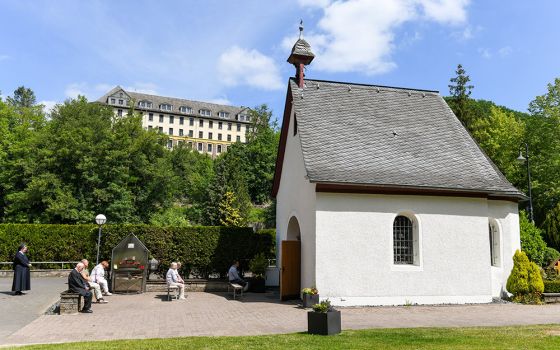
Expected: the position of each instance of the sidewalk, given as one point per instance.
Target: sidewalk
(215, 314)
(18, 311)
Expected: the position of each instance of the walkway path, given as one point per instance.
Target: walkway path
(18, 311)
(149, 316)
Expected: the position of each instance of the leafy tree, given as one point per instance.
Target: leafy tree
(525, 281)
(460, 92)
(175, 216)
(552, 226)
(23, 97)
(229, 214)
(532, 242)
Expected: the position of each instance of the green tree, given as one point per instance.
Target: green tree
(23, 97)
(552, 226)
(460, 92)
(532, 242)
(229, 213)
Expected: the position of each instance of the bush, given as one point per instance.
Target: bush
(552, 286)
(202, 249)
(532, 242)
(323, 307)
(525, 281)
(258, 265)
(550, 256)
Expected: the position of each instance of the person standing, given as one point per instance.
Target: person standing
(77, 284)
(22, 277)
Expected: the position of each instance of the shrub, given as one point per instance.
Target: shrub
(552, 286)
(550, 256)
(258, 265)
(525, 281)
(202, 249)
(532, 242)
(323, 307)
(310, 291)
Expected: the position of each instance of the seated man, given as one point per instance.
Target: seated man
(172, 280)
(233, 276)
(96, 288)
(179, 278)
(98, 276)
(77, 284)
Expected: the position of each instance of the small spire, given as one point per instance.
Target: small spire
(301, 28)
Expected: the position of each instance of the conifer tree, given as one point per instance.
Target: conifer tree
(460, 91)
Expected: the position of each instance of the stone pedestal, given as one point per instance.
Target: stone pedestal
(70, 303)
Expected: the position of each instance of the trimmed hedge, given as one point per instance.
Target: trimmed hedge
(202, 249)
(552, 286)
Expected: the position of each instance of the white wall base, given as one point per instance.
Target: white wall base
(409, 300)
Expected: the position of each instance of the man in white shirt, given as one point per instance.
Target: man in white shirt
(172, 280)
(98, 276)
(233, 276)
(95, 286)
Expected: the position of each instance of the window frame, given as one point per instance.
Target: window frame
(417, 264)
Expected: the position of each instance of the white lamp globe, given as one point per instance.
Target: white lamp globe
(100, 219)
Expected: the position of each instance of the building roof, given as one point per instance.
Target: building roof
(176, 103)
(302, 48)
(385, 136)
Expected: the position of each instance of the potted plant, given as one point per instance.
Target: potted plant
(258, 266)
(310, 296)
(324, 319)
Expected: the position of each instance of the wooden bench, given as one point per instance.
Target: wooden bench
(235, 288)
(70, 303)
(175, 290)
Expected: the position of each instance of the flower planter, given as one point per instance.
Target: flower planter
(257, 285)
(310, 299)
(323, 323)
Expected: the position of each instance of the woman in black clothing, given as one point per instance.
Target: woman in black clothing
(22, 278)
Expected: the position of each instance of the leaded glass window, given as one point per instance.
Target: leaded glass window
(403, 241)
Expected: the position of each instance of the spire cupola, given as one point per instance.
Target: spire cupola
(301, 56)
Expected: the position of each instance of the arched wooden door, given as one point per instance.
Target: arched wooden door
(290, 273)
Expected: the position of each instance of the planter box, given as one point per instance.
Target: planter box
(310, 299)
(326, 323)
(550, 298)
(257, 285)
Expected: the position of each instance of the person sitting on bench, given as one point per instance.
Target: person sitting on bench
(233, 276)
(76, 284)
(173, 281)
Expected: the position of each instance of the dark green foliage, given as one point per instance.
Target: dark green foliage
(258, 265)
(532, 242)
(552, 286)
(23, 97)
(460, 93)
(202, 249)
(550, 256)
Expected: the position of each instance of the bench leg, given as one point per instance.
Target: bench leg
(168, 296)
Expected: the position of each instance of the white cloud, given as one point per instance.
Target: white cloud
(4, 57)
(220, 101)
(238, 66)
(505, 51)
(145, 88)
(48, 106)
(94, 91)
(359, 35)
(485, 52)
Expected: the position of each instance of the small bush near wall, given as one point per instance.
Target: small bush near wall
(202, 249)
(552, 286)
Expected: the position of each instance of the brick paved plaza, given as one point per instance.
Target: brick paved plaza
(149, 316)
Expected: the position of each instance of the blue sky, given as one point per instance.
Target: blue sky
(235, 51)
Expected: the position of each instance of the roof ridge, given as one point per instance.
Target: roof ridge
(182, 99)
(370, 85)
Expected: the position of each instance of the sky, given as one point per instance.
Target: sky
(235, 52)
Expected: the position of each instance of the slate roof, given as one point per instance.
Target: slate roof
(376, 135)
(176, 103)
(302, 47)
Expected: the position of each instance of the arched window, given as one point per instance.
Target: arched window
(495, 245)
(403, 240)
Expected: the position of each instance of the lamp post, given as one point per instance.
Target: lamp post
(521, 159)
(100, 221)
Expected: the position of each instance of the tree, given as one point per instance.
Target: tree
(525, 281)
(551, 226)
(23, 97)
(532, 242)
(460, 93)
(229, 214)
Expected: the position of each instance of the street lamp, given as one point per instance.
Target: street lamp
(521, 159)
(100, 221)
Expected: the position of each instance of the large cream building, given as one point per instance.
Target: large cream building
(207, 127)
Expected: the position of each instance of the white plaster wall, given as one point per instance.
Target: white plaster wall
(296, 197)
(506, 214)
(354, 235)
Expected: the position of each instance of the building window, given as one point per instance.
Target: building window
(185, 109)
(220, 125)
(171, 119)
(209, 148)
(229, 126)
(180, 132)
(223, 115)
(161, 130)
(220, 137)
(242, 117)
(238, 138)
(189, 144)
(210, 135)
(113, 101)
(219, 149)
(200, 135)
(210, 124)
(161, 118)
(190, 133)
(238, 127)
(151, 117)
(201, 123)
(494, 235)
(119, 112)
(170, 144)
(170, 131)
(403, 241)
(150, 127)
(165, 107)
(181, 120)
(205, 113)
(200, 146)
(191, 121)
(145, 104)
(121, 102)
(229, 138)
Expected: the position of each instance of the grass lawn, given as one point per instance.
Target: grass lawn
(525, 337)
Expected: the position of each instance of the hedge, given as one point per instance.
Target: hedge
(202, 249)
(552, 286)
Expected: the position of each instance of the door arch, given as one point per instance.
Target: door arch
(290, 274)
